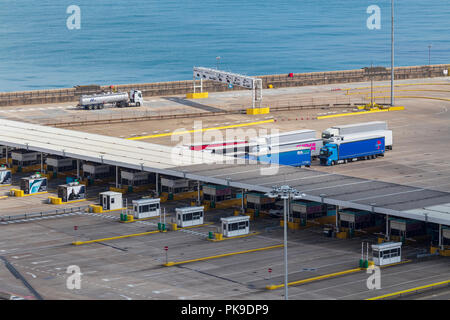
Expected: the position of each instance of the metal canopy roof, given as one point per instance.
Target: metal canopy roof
(376, 196)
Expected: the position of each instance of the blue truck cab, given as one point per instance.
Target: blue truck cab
(358, 149)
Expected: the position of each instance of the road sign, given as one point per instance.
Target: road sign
(225, 77)
(270, 270)
(75, 227)
(166, 248)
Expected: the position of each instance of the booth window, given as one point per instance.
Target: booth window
(149, 207)
(242, 225)
(196, 215)
(187, 217)
(232, 227)
(376, 253)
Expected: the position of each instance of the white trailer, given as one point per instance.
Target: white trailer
(387, 134)
(355, 128)
(235, 226)
(288, 140)
(283, 137)
(118, 99)
(189, 216)
(146, 208)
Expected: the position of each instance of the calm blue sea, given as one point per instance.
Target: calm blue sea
(131, 41)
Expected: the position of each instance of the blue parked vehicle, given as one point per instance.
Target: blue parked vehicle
(344, 151)
(289, 157)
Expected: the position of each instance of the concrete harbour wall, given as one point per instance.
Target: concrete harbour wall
(183, 87)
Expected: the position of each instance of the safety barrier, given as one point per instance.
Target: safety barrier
(56, 212)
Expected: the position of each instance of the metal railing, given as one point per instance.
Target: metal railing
(42, 214)
(179, 87)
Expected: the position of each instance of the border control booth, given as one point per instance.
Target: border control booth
(71, 192)
(189, 216)
(387, 253)
(25, 158)
(110, 200)
(216, 193)
(3, 152)
(33, 184)
(446, 236)
(354, 219)
(5, 176)
(403, 228)
(176, 185)
(60, 164)
(259, 202)
(235, 226)
(307, 210)
(134, 178)
(146, 208)
(97, 170)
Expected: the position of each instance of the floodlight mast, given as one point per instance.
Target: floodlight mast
(285, 192)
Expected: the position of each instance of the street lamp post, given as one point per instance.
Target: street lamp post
(285, 192)
(218, 61)
(429, 54)
(392, 52)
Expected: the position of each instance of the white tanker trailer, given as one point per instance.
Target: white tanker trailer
(119, 99)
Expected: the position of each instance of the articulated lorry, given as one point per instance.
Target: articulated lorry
(344, 151)
(358, 131)
(118, 99)
(288, 140)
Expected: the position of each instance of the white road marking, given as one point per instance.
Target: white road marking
(128, 298)
(38, 262)
(34, 276)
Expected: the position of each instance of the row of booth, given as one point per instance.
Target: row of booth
(185, 216)
(299, 211)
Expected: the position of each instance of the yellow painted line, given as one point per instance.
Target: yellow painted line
(74, 201)
(172, 263)
(395, 264)
(4, 197)
(401, 85)
(5, 185)
(429, 90)
(350, 114)
(413, 97)
(229, 238)
(77, 243)
(104, 211)
(201, 130)
(142, 219)
(326, 276)
(34, 194)
(389, 295)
